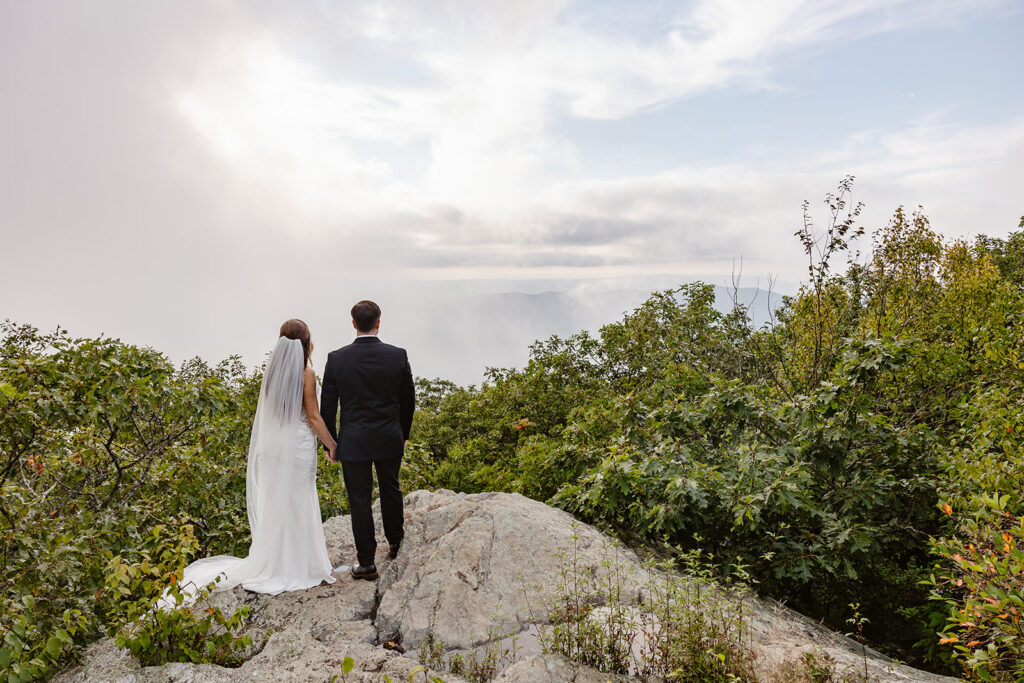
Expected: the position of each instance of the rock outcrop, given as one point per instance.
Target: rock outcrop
(472, 569)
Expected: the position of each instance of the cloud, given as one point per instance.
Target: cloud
(701, 219)
(454, 108)
(190, 174)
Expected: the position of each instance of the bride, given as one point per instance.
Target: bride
(288, 550)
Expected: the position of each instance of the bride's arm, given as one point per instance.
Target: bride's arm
(316, 422)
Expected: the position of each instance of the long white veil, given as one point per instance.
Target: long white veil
(287, 550)
(273, 433)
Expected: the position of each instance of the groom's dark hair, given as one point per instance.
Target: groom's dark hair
(365, 315)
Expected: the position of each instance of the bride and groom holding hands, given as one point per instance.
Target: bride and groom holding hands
(368, 385)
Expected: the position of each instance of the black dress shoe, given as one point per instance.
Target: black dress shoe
(365, 571)
(393, 549)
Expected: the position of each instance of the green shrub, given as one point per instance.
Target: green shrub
(681, 624)
(192, 630)
(478, 666)
(101, 443)
(982, 582)
(28, 652)
(198, 632)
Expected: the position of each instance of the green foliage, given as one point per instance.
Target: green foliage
(347, 665)
(978, 574)
(102, 443)
(815, 449)
(683, 627)
(814, 667)
(1007, 254)
(819, 487)
(982, 582)
(530, 431)
(185, 629)
(28, 652)
(478, 666)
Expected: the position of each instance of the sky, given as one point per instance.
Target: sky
(186, 175)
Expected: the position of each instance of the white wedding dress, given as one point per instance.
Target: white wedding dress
(288, 550)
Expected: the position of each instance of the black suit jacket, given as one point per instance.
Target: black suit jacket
(372, 383)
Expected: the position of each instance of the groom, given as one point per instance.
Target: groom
(372, 381)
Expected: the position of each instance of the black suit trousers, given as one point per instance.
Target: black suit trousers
(359, 483)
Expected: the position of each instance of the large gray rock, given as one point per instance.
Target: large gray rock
(472, 569)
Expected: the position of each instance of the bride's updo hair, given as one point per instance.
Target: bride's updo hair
(296, 329)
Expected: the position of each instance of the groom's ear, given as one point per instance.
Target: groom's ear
(354, 326)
